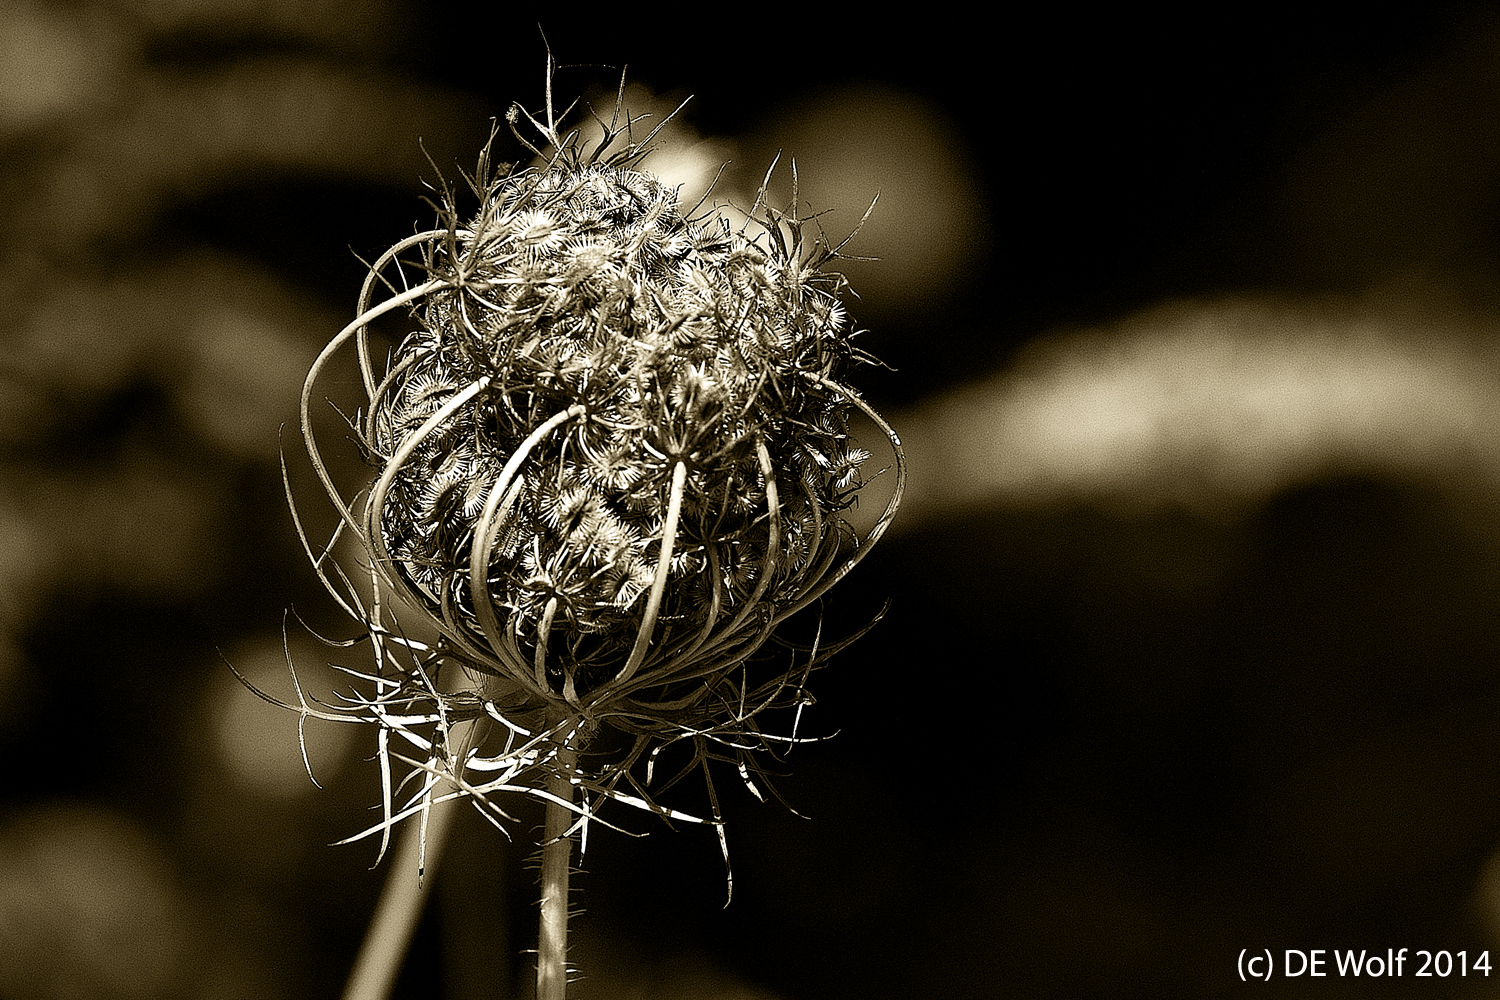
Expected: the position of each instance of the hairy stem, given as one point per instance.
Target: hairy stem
(557, 850)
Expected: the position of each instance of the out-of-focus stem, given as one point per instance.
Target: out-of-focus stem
(407, 886)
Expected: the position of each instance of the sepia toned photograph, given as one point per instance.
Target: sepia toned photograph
(748, 504)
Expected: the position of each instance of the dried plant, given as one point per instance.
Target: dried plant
(610, 459)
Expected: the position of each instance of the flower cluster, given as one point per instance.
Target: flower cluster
(611, 458)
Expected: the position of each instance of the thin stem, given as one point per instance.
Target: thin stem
(557, 850)
(659, 581)
(486, 530)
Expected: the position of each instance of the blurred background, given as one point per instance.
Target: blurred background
(1194, 640)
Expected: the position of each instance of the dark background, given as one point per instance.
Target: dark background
(1092, 750)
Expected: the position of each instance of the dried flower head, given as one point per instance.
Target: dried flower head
(610, 459)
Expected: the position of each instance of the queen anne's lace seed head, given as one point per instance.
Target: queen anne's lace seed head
(610, 458)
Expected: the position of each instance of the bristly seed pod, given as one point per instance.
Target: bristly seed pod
(611, 458)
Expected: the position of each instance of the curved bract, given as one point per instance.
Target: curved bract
(611, 457)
